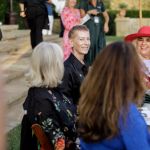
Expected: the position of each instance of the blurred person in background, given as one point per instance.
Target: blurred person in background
(36, 14)
(141, 41)
(70, 17)
(97, 24)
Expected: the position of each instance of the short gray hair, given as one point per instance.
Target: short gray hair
(47, 66)
(77, 28)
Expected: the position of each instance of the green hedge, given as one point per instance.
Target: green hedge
(135, 13)
(130, 13)
(112, 13)
(3, 9)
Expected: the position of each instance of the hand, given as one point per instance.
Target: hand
(22, 14)
(60, 144)
(49, 1)
(93, 12)
(106, 28)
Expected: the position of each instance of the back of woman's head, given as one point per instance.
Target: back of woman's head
(47, 65)
(114, 81)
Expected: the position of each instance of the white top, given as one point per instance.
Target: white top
(147, 64)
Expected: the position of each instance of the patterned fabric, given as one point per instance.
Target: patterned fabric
(70, 18)
(66, 113)
(52, 111)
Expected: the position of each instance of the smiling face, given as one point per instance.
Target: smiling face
(143, 47)
(72, 3)
(80, 42)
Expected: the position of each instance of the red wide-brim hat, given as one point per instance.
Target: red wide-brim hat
(143, 32)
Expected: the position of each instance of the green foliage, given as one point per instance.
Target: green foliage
(3, 9)
(112, 26)
(135, 13)
(4, 12)
(13, 139)
(123, 5)
(130, 13)
(107, 4)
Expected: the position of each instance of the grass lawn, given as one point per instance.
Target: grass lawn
(110, 39)
(13, 137)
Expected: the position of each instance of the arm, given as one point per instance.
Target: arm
(49, 1)
(106, 18)
(67, 84)
(50, 123)
(135, 133)
(22, 10)
(82, 13)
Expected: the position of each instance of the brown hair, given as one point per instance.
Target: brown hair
(77, 28)
(115, 80)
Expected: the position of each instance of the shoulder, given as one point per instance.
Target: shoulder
(134, 120)
(65, 9)
(134, 115)
(69, 67)
(77, 10)
(39, 93)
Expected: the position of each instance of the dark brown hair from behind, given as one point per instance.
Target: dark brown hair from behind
(77, 28)
(114, 81)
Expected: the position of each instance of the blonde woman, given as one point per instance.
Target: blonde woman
(44, 103)
(70, 17)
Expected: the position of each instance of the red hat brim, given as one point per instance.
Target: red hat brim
(131, 37)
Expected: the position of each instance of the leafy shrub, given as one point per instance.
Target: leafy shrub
(130, 13)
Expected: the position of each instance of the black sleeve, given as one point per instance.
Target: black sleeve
(102, 7)
(49, 120)
(21, 1)
(67, 83)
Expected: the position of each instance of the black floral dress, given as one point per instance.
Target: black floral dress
(53, 111)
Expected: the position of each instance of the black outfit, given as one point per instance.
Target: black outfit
(74, 74)
(62, 28)
(96, 27)
(57, 116)
(1, 36)
(37, 17)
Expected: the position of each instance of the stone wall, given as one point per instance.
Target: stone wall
(132, 4)
(126, 25)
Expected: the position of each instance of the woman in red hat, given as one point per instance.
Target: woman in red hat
(141, 40)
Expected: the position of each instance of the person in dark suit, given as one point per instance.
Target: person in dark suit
(36, 13)
(75, 66)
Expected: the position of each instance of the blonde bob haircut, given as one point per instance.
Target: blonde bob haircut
(47, 66)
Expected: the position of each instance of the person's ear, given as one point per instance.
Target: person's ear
(71, 42)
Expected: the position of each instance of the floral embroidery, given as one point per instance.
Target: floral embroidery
(67, 114)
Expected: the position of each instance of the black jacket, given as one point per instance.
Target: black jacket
(56, 114)
(74, 74)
